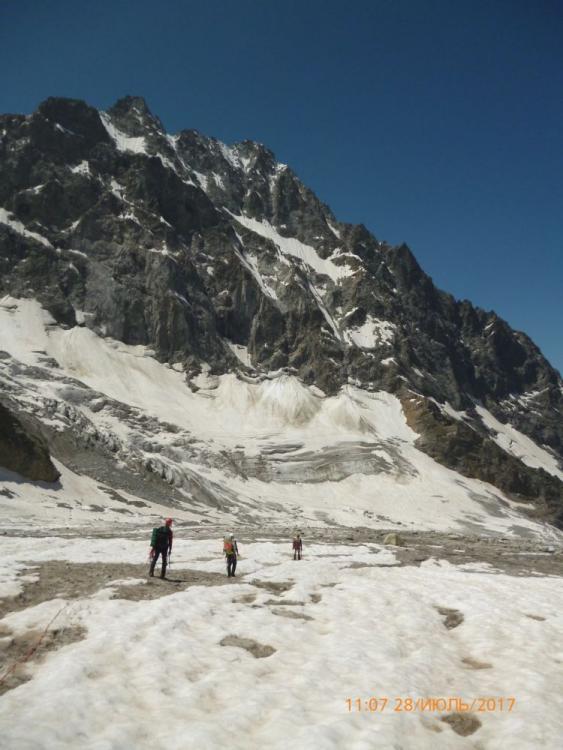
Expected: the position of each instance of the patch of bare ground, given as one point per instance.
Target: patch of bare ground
(508, 556)
(274, 587)
(472, 663)
(60, 579)
(515, 555)
(431, 723)
(452, 617)
(536, 617)
(19, 650)
(316, 598)
(244, 599)
(290, 614)
(359, 564)
(153, 588)
(462, 724)
(332, 554)
(284, 602)
(258, 650)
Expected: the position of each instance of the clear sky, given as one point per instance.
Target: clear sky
(434, 122)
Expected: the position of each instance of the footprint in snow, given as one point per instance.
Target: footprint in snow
(274, 587)
(452, 617)
(258, 650)
(475, 663)
(245, 599)
(290, 614)
(462, 724)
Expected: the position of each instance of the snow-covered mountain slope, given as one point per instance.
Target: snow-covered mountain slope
(185, 322)
(187, 331)
(267, 449)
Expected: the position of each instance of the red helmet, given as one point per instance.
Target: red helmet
(168, 522)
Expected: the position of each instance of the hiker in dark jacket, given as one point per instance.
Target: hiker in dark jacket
(230, 549)
(297, 547)
(161, 546)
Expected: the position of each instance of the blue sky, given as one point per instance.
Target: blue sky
(433, 122)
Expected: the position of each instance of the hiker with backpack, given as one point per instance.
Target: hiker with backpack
(161, 546)
(297, 546)
(230, 549)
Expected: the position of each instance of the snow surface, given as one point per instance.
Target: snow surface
(294, 424)
(241, 353)
(295, 248)
(334, 230)
(122, 141)
(448, 409)
(8, 219)
(250, 262)
(201, 178)
(35, 189)
(519, 445)
(371, 626)
(451, 412)
(152, 674)
(230, 154)
(82, 168)
(372, 333)
(74, 501)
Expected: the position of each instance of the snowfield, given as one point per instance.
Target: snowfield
(153, 673)
(357, 646)
(302, 457)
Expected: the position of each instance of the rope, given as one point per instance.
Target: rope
(33, 648)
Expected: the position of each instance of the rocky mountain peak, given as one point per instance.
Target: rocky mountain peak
(220, 260)
(67, 125)
(132, 115)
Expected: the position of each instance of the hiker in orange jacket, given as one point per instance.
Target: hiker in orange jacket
(230, 549)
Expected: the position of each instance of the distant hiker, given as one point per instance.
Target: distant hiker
(161, 546)
(297, 547)
(230, 549)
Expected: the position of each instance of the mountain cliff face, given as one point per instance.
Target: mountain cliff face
(218, 260)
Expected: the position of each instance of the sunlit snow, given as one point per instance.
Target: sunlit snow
(158, 669)
(293, 423)
(513, 441)
(295, 248)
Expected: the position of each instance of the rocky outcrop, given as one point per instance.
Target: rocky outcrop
(465, 448)
(23, 450)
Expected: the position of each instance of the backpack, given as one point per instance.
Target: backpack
(228, 547)
(160, 537)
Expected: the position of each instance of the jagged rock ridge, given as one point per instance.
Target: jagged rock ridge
(219, 256)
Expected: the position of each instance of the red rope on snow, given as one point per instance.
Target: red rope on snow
(33, 648)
